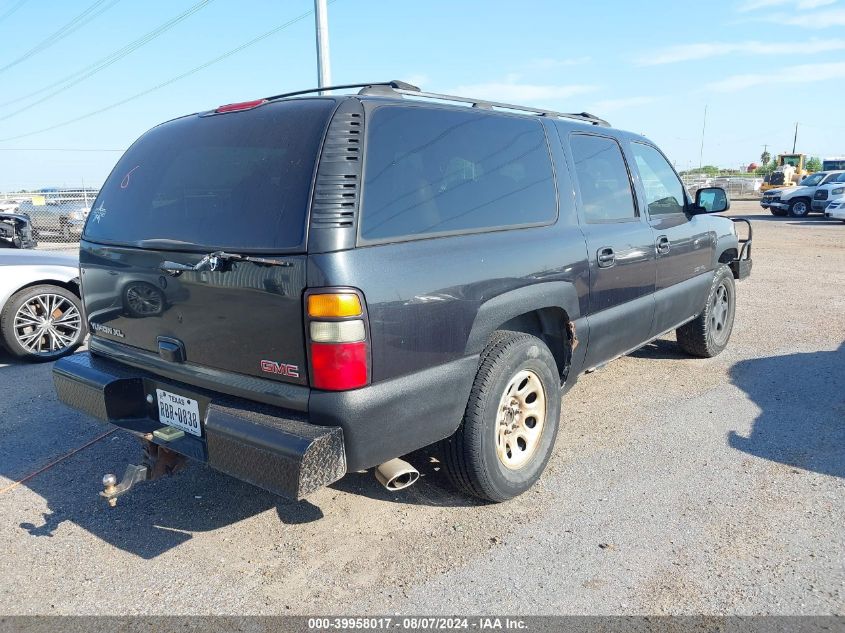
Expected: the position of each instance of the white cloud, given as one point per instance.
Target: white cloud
(817, 20)
(754, 5)
(803, 73)
(613, 105)
(523, 93)
(691, 52)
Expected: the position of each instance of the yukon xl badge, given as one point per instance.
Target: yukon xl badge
(105, 329)
(282, 369)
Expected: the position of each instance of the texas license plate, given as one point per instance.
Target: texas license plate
(179, 412)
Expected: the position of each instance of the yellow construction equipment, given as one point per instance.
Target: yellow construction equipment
(789, 172)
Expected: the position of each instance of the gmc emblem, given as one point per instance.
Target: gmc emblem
(282, 369)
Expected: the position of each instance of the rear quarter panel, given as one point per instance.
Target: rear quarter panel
(423, 296)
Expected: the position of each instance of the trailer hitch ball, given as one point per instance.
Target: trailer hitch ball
(133, 475)
(109, 484)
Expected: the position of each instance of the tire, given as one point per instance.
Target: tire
(799, 208)
(476, 457)
(24, 311)
(708, 334)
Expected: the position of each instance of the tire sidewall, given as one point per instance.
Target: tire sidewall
(533, 355)
(14, 304)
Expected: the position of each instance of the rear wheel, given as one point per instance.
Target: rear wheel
(799, 208)
(42, 323)
(708, 334)
(506, 437)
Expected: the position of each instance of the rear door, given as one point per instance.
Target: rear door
(620, 249)
(683, 243)
(237, 182)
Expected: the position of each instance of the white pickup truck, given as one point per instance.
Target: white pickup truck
(797, 201)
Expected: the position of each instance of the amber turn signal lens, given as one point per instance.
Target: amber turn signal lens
(334, 305)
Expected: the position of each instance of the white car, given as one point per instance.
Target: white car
(41, 315)
(836, 209)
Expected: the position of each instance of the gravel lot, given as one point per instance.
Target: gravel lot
(678, 486)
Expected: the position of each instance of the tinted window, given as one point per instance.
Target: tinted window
(602, 179)
(431, 170)
(238, 181)
(663, 191)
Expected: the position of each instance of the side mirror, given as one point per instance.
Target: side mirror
(712, 200)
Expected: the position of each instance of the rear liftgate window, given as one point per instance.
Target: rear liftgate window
(237, 181)
(432, 171)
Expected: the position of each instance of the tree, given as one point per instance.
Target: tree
(814, 164)
(765, 157)
(766, 168)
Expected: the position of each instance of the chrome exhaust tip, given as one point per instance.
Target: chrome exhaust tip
(397, 474)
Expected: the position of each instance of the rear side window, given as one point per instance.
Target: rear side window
(238, 181)
(431, 171)
(603, 179)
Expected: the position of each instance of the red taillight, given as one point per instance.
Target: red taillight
(339, 366)
(246, 105)
(337, 338)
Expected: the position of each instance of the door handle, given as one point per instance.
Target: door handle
(662, 244)
(606, 257)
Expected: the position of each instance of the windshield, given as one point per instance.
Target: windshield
(813, 180)
(237, 181)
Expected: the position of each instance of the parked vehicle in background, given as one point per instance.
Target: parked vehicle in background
(836, 209)
(835, 163)
(56, 221)
(16, 231)
(797, 201)
(826, 193)
(9, 205)
(347, 278)
(40, 311)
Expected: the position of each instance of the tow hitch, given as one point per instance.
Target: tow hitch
(158, 462)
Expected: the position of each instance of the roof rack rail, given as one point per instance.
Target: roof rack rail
(394, 84)
(396, 87)
(483, 103)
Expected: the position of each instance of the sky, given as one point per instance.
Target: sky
(80, 80)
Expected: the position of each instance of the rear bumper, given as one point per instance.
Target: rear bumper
(271, 448)
(289, 452)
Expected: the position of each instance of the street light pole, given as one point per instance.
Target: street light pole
(321, 18)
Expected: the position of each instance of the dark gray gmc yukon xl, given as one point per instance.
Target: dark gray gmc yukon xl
(298, 287)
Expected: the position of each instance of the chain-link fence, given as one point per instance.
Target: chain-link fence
(55, 217)
(738, 187)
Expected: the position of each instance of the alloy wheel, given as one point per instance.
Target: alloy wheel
(46, 324)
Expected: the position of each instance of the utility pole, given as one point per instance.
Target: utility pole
(795, 139)
(321, 18)
(701, 153)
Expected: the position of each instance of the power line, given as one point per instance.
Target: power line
(14, 8)
(172, 80)
(103, 63)
(74, 25)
